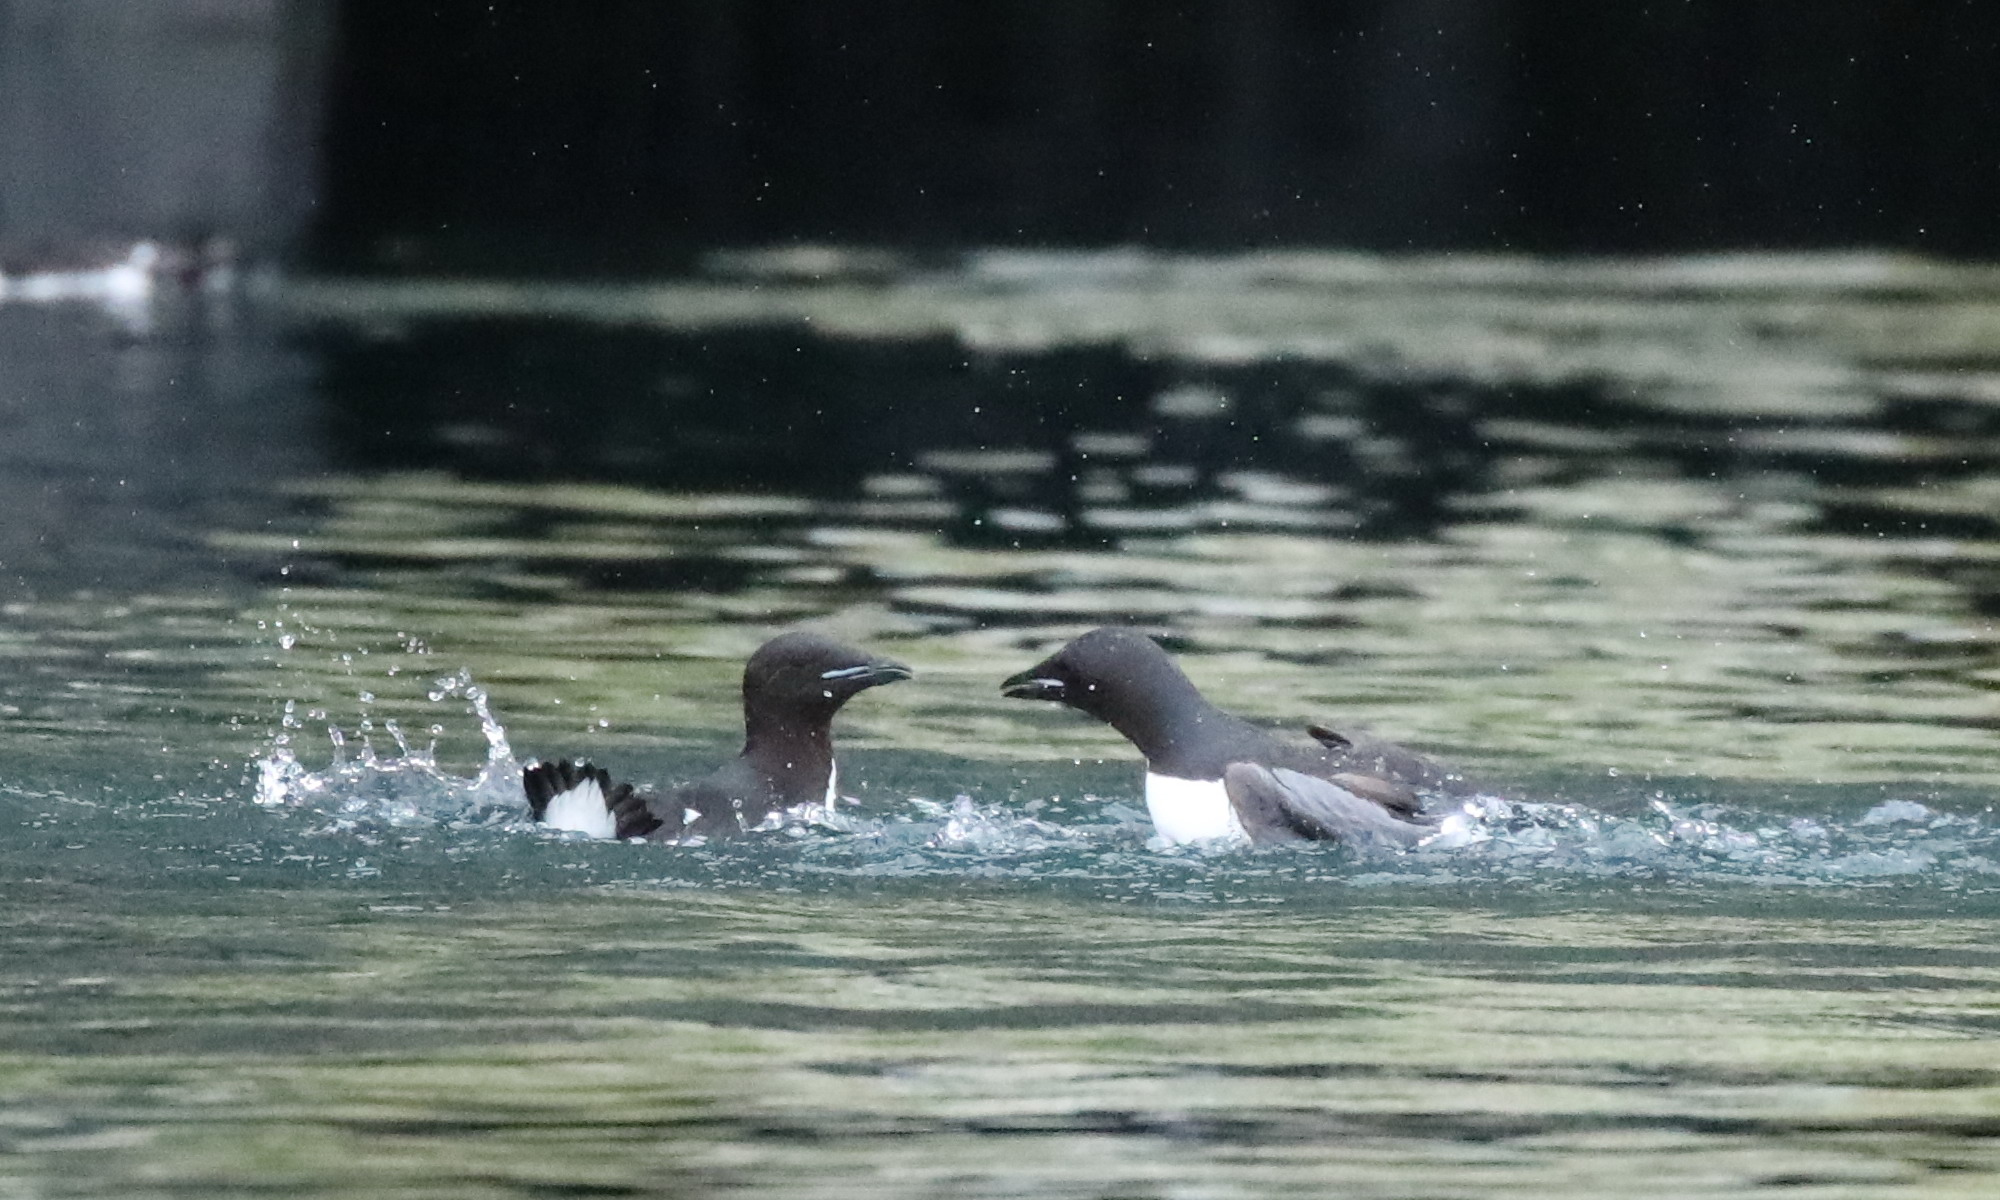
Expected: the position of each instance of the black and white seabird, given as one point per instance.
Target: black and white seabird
(1212, 775)
(792, 686)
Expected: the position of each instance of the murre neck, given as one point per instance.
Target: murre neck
(795, 756)
(1166, 723)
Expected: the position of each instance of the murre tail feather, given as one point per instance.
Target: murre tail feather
(631, 816)
(545, 781)
(582, 798)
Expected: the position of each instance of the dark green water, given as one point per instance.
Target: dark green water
(1697, 563)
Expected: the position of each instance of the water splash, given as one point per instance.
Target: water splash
(363, 788)
(1517, 841)
(1487, 839)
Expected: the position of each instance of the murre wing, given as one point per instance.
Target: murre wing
(1277, 804)
(1398, 770)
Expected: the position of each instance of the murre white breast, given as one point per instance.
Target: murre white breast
(1190, 810)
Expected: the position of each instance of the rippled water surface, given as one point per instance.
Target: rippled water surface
(1694, 565)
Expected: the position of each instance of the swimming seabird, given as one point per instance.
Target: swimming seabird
(792, 687)
(1212, 775)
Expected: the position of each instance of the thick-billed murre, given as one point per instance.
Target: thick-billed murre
(1213, 775)
(792, 687)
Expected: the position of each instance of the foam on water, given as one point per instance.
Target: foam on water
(1675, 840)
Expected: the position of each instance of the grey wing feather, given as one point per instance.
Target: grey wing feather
(1331, 738)
(1394, 767)
(1398, 798)
(1278, 804)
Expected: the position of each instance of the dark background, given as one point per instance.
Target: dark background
(582, 134)
(631, 135)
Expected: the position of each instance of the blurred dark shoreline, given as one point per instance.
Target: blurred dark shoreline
(512, 137)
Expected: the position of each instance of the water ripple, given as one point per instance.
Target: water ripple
(1105, 842)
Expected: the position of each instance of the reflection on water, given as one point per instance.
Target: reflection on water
(1696, 560)
(1052, 447)
(1698, 519)
(481, 1032)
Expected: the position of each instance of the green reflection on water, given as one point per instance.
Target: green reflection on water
(199, 997)
(1568, 638)
(993, 1040)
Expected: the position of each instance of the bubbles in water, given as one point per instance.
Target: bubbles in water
(279, 777)
(1511, 839)
(1890, 812)
(994, 831)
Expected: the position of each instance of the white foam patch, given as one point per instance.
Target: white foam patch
(1459, 828)
(581, 809)
(1190, 810)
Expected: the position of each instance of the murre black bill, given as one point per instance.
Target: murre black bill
(1032, 685)
(871, 674)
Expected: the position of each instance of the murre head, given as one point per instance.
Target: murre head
(804, 676)
(1119, 676)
